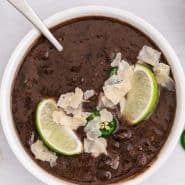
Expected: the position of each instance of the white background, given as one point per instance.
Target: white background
(168, 16)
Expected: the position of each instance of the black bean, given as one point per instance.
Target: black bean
(44, 91)
(142, 160)
(47, 70)
(75, 68)
(29, 83)
(116, 145)
(46, 54)
(129, 147)
(152, 138)
(123, 135)
(140, 148)
(151, 150)
(131, 150)
(146, 142)
(157, 131)
(103, 161)
(127, 165)
(115, 162)
(28, 102)
(103, 175)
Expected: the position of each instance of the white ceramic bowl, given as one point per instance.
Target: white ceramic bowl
(25, 44)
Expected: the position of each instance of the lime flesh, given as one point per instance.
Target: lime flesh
(56, 137)
(143, 97)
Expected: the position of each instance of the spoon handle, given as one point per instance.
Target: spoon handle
(23, 7)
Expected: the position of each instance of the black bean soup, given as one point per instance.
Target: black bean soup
(85, 63)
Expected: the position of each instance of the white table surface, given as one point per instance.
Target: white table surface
(168, 16)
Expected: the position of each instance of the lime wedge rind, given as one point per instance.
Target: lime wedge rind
(154, 95)
(47, 138)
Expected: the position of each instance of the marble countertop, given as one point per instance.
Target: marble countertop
(167, 16)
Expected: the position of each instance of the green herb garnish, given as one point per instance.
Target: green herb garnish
(113, 71)
(93, 115)
(107, 128)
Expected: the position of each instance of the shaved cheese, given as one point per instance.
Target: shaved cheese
(92, 135)
(70, 110)
(41, 152)
(58, 116)
(122, 104)
(104, 102)
(70, 101)
(111, 80)
(78, 120)
(125, 71)
(116, 60)
(149, 55)
(106, 116)
(118, 85)
(95, 147)
(72, 122)
(162, 68)
(92, 128)
(165, 81)
(77, 98)
(88, 94)
(61, 118)
(85, 114)
(115, 92)
(162, 72)
(107, 103)
(100, 102)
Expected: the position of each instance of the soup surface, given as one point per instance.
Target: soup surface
(89, 44)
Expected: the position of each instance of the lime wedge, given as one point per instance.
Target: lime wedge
(143, 97)
(56, 137)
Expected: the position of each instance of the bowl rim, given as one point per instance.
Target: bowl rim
(20, 51)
